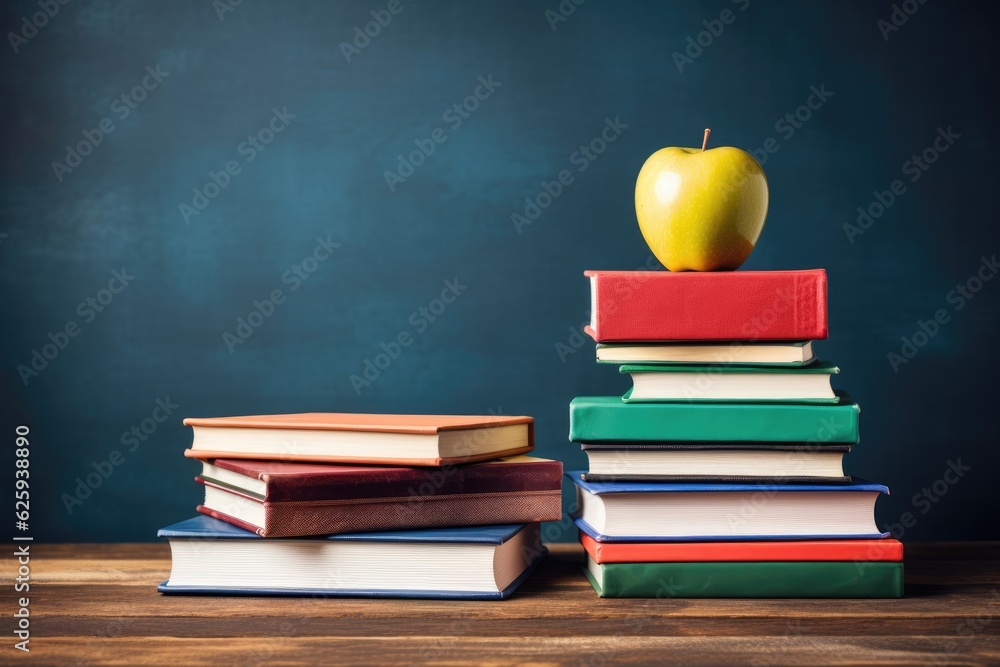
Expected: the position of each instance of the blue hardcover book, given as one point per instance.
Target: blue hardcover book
(471, 563)
(667, 512)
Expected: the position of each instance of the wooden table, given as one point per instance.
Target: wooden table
(97, 604)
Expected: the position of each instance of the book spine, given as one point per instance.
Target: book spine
(215, 514)
(754, 580)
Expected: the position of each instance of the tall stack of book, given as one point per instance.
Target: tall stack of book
(720, 473)
(364, 505)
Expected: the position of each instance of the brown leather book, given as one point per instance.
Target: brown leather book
(327, 437)
(279, 499)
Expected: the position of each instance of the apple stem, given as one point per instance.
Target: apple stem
(704, 141)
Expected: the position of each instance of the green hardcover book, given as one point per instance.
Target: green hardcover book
(731, 383)
(608, 419)
(747, 580)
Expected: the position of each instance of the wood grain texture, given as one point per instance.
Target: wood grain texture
(97, 604)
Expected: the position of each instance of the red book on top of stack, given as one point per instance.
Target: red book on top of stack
(637, 306)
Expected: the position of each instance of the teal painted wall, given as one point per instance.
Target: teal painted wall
(216, 151)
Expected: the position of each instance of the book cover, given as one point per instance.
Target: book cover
(207, 528)
(749, 580)
(887, 549)
(610, 488)
(712, 446)
(608, 539)
(718, 479)
(609, 419)
(637, 306)
(350, 421)
(314, 499)
(294, 438)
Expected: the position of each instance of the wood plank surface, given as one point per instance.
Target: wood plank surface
(94, 604)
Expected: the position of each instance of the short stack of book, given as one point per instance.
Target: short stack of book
(720, 473)
(368, 505)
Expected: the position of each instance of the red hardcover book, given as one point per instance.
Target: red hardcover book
(279, 499)
(645, 306)
(888, 550)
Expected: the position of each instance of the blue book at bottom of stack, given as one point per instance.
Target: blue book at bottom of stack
(475, 563)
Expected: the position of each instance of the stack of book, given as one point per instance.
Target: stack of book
(720, 473)
(364, 505)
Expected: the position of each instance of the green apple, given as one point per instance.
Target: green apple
(701, 210)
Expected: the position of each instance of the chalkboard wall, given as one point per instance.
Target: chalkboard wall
(214, 208)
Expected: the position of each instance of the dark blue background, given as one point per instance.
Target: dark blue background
(495, 347)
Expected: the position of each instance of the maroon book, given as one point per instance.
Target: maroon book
(280, 499)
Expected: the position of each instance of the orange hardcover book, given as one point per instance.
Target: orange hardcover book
(410, 440)
(887, 550)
